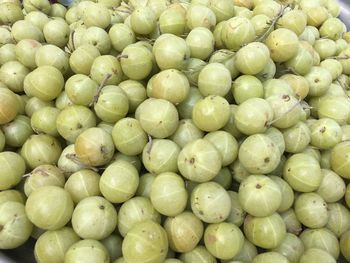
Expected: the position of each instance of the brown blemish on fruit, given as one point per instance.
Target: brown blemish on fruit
(192, 160)
(258, 186)
(102, 207)
(1, 227)
(79, 125)
(323, 129)
(211, 238)
(267, 160)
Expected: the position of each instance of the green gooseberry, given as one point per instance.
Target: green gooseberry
(112, 104)
(299, 85)
(332, 28)
(339, 219)
(200, 40)
(44, 82)
(297, 137)
(50, 55)
(17, 131)
(161, 155)
(119, 181)
(134, 211)
(334, 107)
(97, 37)
(311, 210)
(37, 18)
(11, 196)
(129, 137)
(245, 87)
(106, 69)
(332, 187)
(10, 13)
(7, 52)
(81, 89)
(94, 218)
(198, 254)
(145, 184)
(113, 244)
(158, 124)
(291, 221)
(136, 62)
(25, 52)
(88, 251)
(44, 121)
(121, 36)
(74, 120)
(219, 207)
(173, 20)
(344, 244)
(185, 108)
(97, 15)
(143, 20)
(254, 192)
(214, 79)
(259, 154)
(266, 232)
(144, 242)
(340, 159)
(291, 247)
(301, 63)
(179, 228)
(294, 20)
(333, 66)
(83, 183)
(13, 168)
(315, 255)
(277, 87)
(223, 10)
(58, 10)
(200, 16)
(224, 56)
(81, 59)
(287, 196)
(325, 133)
(12, 74)
(199, 161)
(43, 175)
(186, 132)
(168, 194)
(224, 178)
(63, 101)
(56, 32)
(270, 257)
(135, 92)
(236, 32)
(49, 207)
(269, 8)
(321, 238)
(247, 116)
(15, 225)
(287, 110)
(302, 172)
(237, 213)
(223, 240)
(91, 151)
(134, 160)
(41, 149)
(52, 245)
(211, 113)
(283, 44)
(325, 48)
(226, 145)
(23, 29)
(319, 80)
(170, 51)
(252, 58)
(171, 85)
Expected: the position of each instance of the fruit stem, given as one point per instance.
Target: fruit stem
(74, 158)
(339, 57)
(150, 140)
(272, 23)
(284, 114)
(99, 89)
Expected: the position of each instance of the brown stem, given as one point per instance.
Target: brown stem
(150, 140)
(284, 114)
(339, 57)
(74, 158)
(99, 89)
(272, 24)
